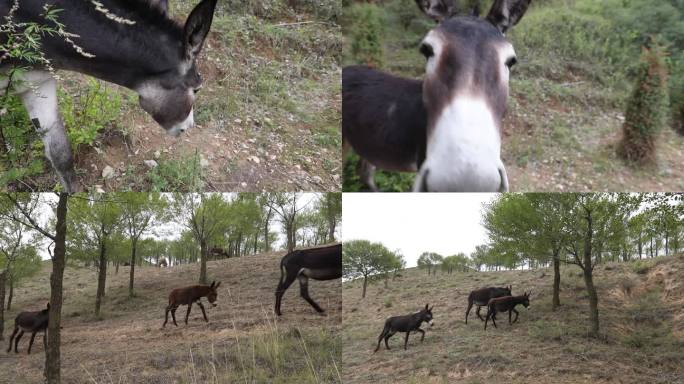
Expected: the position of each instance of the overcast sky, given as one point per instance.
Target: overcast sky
(413, 223)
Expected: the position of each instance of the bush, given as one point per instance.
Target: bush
(641, 267)
(366, 30)
(645, 115)
(89, 111)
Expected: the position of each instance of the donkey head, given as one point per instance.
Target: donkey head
(212, 295)
(465, 93)
(526, 300)
(426, 315)
(169, 96)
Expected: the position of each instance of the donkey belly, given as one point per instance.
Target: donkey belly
(321, 274)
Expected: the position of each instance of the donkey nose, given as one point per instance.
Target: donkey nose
(465, 177)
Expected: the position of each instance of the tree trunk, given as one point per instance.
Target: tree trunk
(116, 270)
(290, 236)
(134, 245)
(52, 355)
(588, 272)
(3, 279)
(267, 246)
(11, 294)
(101, 277)
(556, 280)
(203, 262)
(331, 223)
(640, 247)
(256, 237)
(365, 283)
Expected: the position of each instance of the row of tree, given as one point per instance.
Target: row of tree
(99, 230)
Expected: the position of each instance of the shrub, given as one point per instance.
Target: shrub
(366, 30)
(641, 267)
(645, 115)
(89, 111)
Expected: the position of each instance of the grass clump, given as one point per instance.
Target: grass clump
(184, 174)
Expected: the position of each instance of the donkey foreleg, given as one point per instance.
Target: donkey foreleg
(187, 314)
(39, 97)
(203, 313)
(304, 292)
(45, 341)
(173, 315)
(516, 316)
(477, 312)
(406, 339)
(366, 173)
(422, 334)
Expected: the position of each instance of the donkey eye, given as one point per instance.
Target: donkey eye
(511, 62)
(196, 90)
(426, 50)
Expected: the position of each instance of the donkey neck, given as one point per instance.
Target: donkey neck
(142, 43)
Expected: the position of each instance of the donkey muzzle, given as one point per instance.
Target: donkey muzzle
(468, 177)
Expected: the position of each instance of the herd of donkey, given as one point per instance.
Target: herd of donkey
(322, 263)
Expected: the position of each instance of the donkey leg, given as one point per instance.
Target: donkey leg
(173, 314)
(16, 341)
(203, 313)
(406, 339)
(9, 349)
(516, 315)
(422, 334)
(470, 305)
(33, 336)
(166, 316)
(366, 172)
(45, 340)
(509, 316)
(187, 314)
(494, 319)
(477, 312)
(387, 337)
(40, 100)
(282, 287)
(382, 335)
(304, 291)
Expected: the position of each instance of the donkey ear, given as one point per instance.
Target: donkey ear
(197, 27)
(48, 305)
(217, 285)
(437, 10)
(212, 284)
(426, 306)
(162, 5)
(507, 13)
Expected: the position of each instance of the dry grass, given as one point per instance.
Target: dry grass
(243, 341)
(542, 347)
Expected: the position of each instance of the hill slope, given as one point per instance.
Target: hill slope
(242, 341)
(640, 306)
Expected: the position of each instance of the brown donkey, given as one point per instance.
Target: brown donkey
(506, 304)
(189, 295)
(481, 297)
(33, 322)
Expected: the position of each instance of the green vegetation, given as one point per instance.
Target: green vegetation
(183, 174)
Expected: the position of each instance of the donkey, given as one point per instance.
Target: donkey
(189, 295)
(163, 263)
(323, 263)
(33, 322)
(447, 127)
(506, 304)
(481, 297)
(130, 43)
(408, 324)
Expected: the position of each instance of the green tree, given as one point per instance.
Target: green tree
(362, 258)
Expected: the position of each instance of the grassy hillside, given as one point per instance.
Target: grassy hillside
(242, 342)
(568, 92)
(266, 118)
(641, 315)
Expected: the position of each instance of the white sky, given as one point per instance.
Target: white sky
(413, 223)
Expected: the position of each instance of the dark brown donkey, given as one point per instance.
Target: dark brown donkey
(406, 323)
(446, 127)
(506, 304)
(323, 263)
(33, 322)
(189, 295)
(481, 297)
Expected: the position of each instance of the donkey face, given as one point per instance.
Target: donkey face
(526, 301)
(465, 92)
(169, 96)
(427, 315)
(212, 293)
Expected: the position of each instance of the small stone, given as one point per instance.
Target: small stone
(204, 162)
(151, 164)
(254, 159)
(108, 173)
(157, 154)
